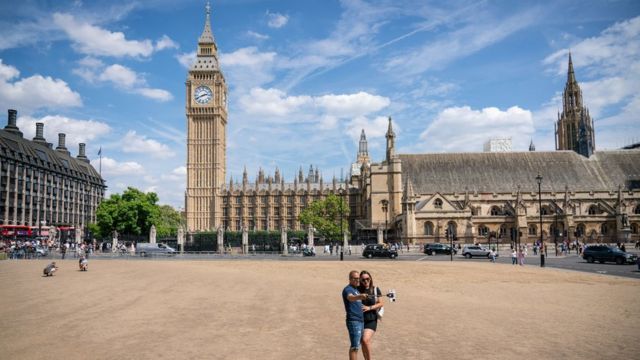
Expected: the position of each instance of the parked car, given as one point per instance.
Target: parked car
(602, 253)
(376, 250)
(437, 248)
(149, 249)
(470, 251)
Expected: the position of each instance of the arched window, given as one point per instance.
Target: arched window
(483, 230)
(428, 228)
(437, 204)
(634, 228)
(637, 210)
(580, 230)
(503, 231)
(532, 230)
(593, 210)
(544, 210)
(604, 229)
(495, 211)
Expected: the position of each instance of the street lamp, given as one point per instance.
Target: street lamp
(385, 209)
(539, 180)
(555, 231)
(341, 228)
(451, 241)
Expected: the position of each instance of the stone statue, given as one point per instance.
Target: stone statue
(152, 234)
(625, 221)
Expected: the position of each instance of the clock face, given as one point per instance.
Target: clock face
(202, 95)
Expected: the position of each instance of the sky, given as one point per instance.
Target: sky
(305, 77)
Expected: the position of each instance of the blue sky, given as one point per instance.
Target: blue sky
(306, 76)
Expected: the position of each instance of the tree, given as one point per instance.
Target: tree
(325, 216)
(131, 213)
(169, 221)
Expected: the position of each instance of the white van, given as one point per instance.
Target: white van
(149, 249)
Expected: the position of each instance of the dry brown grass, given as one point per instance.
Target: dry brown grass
(286, 310)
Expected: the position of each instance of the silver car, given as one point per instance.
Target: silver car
(470, 251)
(149, 249)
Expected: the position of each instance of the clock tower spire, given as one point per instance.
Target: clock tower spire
(206, 112)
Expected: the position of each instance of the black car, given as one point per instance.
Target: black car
(376, 250)
(431, 249)
(602, 253)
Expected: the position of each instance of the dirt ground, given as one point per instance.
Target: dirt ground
(269, 309)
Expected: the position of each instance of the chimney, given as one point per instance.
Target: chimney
(61, 146)
(81, 153)
(11, 124)
(40, 134)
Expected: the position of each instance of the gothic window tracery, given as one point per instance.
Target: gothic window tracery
(483, 230)
(593, 210)
(437, 204)
(604, 229)
(533, 230)
(428, 228)
(580, 230)
(495, 211)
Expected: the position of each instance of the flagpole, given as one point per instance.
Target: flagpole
(100, 166)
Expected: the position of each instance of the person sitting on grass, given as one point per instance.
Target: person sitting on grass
(50, 269)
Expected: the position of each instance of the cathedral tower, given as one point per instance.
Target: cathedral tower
(574, 130)
(206, 110)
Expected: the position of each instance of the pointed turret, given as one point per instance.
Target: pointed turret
(571, 76)
(532, 147)
(363, 152)
(207, 57)
(391, 136)
(574, 128)
(245, 177)
(300, 175)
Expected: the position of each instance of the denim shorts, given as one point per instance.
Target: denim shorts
(355, 333)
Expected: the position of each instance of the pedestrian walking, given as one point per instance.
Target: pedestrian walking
(514, 257)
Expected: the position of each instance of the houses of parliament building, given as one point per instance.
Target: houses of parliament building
(573, 192)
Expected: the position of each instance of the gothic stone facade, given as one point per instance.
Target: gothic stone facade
(588, 194)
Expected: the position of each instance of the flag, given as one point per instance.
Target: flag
(100, 151)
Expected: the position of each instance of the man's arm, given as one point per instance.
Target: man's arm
(353, 297)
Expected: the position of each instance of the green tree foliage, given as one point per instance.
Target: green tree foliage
(169, 221)
(324, 216)
(133, 213)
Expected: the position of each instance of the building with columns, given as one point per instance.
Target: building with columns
(417, 198)
(40, 185)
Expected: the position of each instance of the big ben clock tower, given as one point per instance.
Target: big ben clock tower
(206, 110)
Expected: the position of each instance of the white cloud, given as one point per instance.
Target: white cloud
(93, 40)
(34, 92)
(112, 167)
(186, 59)
(457, 44)
(272, 102)
(350, 105)
(256, 35)
(326, 109)
(248, 67)
(276, 20)
(76, 130)
(374, 129)
(121, 76)
(165, 42)
(155, 94)
(134, 143)
(465, 129)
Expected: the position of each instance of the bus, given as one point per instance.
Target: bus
(17, 232)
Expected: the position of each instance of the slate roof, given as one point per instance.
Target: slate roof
(13, 146)
(503, 172)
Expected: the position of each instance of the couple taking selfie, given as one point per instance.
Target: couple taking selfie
(362, 300)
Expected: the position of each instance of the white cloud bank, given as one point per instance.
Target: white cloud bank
(466, 129)
(34, 92)
(134, 143)
(276, 20)
(93, 40)
(76, 130)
